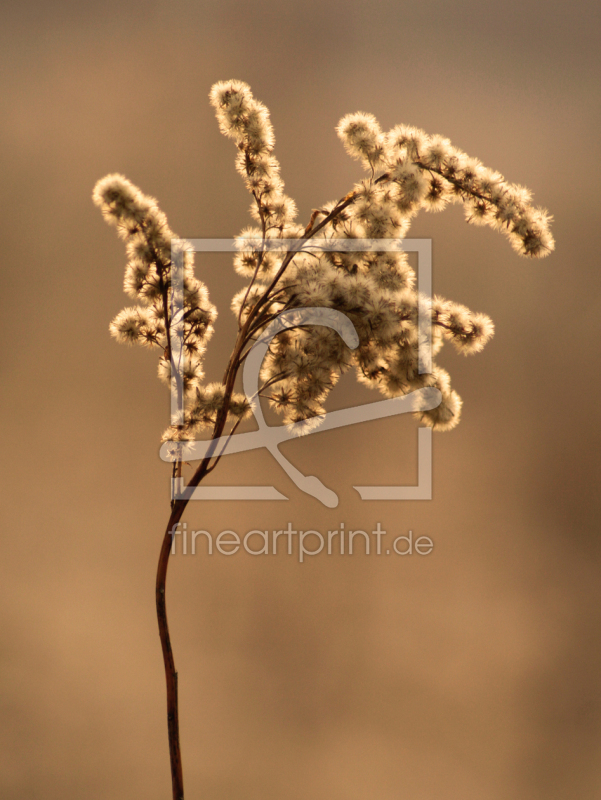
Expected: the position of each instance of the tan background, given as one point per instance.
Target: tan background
(472, 673)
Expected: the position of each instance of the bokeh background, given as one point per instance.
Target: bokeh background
(472, 672)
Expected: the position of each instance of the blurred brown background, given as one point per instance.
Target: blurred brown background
(472, 672)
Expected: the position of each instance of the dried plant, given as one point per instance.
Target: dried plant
(407, 170)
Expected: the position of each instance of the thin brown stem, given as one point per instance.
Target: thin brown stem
(260, 258)
(257, 317)
(177, 780)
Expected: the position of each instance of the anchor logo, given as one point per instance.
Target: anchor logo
(270, 437)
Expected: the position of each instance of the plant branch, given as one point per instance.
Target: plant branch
(238, 355)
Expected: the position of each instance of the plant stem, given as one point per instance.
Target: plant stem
(177, 510)
(177, 779)
(254, 320)
(175, 756)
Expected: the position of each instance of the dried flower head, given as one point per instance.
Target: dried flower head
(409, 170)
(148, 243)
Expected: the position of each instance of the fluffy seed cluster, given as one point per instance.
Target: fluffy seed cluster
(245, 120)
(408, 171)
(148, 279)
